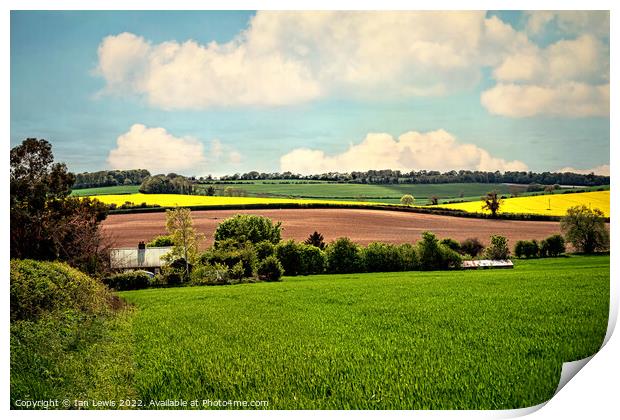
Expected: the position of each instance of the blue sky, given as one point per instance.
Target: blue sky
(226, 92)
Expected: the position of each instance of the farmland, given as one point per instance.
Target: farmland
(466, 340)
(120, 189)
(552, 205)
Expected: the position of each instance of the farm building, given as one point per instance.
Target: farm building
(483, 264)
(140, 257)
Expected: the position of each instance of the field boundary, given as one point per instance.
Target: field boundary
(385, 207)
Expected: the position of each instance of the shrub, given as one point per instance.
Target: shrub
(264, 249)
(210, 275)
(472, 246)
(316, 239)
(450, 258)
(237, 271)
(379, 257)
(585, 229)
(343, 256)
(289, 256)
(313, 260)
(129, 280)
(230, 257)
(408, 257)
(173, 276)
(519, 250)
(270, 269)
(407, 200)
(39, 287)
(498, 248)
(429, 252)
(553, 246)
(451, 243)
(248, 227)
(162, 240)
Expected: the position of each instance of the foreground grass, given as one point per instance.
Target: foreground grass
(468, 340)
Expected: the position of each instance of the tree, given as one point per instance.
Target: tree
(343, 256)
(585, 229)
(498, 249)
(492, 202)
(407, 200)
(184, 236)
(247, 227)
(434, 200)
(472, 247)
(47, 224)
(316, 239)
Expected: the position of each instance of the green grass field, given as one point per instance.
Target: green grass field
(120, 189)
(491, 339)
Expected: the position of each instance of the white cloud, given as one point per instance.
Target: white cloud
(435, 150)
(156, 150)
(234, 157)
(568, 100)
(285, 58)
(597, 170)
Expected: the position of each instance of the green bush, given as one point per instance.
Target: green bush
(237, 272)
(451, 243)
(450, 258)
(289, 255)
(173, 276)
(498, 248)
(160, 241)
(519, 249)
(433, 255)
(130, 280)
(343, 256)
(231, 256)
(216, 274)
(472, 247)
(585, 229)
(264, 249)
(248, 227)
(553, 246)
(408, 256)
(313, 260)
(39, 287)
(270, 269)
(378, 257)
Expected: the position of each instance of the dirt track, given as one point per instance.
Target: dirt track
(362, 226)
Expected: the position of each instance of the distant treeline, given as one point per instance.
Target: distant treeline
(166, 184)
(388, 176)
(110, 178)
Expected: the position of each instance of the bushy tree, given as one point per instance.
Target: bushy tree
(451, 243)
(270, 269)
(316, 239)
(379, 256)
(313, 259)
(343, 256)
(47, 224)
(289, 256)
(472, 247)
(184, 236)
(407, 200)
(492, 202)
(553, 246)
(585, 229)
(498, 248)
(161, 241)
(248, 227)
(429, 252)
(264, 249)
(408, 257)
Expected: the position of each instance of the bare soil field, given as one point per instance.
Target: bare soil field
(362, 226)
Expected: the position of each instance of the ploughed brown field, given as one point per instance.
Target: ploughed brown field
(362, 226)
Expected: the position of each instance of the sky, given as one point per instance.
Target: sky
(218, 93)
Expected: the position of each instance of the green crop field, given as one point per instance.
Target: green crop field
(120, 189)
(490, 339)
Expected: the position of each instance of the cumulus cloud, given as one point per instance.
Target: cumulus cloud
(156, 150)
(434, 150)
(597, 170)
(570, 22)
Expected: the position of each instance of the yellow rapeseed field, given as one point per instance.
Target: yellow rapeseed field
(180, 200)
(551, 204)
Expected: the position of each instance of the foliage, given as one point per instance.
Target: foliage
(312, 259)
(498, 248)
(288, 253)
(231, 256)
(408, 257)
(407, 200)
(343, 256)
(130, 280)
(553, 246)
(248, 227)
(47, 224)
(585, 229)
(210, 274)
(492, 202)
(384, 331)
(433, 255)
(451, 243)
(264, 249)
(316, 239)
(527, 249)
(472, 247)
(110, 178)
(166, 184)
(161, 241)
(184, 236)
(270, 269)
(381, 257)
